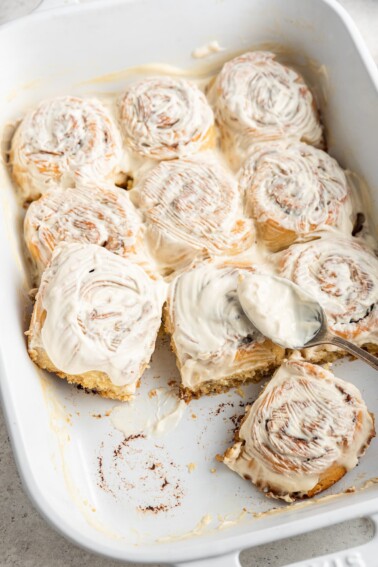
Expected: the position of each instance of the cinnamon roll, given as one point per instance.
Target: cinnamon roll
(216, 346)
(302, 434)
(291, 190)
(98, 214)
(257, 99)
(342, 275)
(96, 319)
(165, 118)
(192, 208)
(61, 138)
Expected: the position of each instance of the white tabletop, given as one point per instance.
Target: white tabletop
(27, 541)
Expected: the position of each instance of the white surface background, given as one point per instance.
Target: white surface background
(27, 541)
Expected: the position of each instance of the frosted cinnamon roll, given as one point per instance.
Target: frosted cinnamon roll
(98, 214)
(342, 275)
(291, 190)
(62, 137)
(216, 346)
(96, 319)
(165, 118)
(259, 99)
(192, 208)
(302, 434)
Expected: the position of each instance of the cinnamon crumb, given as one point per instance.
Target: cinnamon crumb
(118, 450)
(152, 393)
(153, 509)
(213, 470)
(194, 416)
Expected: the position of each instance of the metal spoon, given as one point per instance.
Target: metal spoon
(325, 337)
(267, 299)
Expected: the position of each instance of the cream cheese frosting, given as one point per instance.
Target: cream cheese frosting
(165, 118)
(209, 328)
(291, 186)
(62, 138)
(279, 309)
(192, 207)
(342, 275)
(103, 313)
(257, 98)
(99, 214)
(305, 422)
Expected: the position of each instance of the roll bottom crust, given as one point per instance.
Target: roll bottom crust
(327, 479)
(94, 380)
(97, 382)
(53, 344)
(235, 379)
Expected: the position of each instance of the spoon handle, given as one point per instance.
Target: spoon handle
(355, 350)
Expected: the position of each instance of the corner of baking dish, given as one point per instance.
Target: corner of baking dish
(328, 513)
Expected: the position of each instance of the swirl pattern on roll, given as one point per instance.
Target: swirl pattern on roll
(261, 99)
(194, 205)
(89, 214)
(165, 118)
(342, 275)
(102, 312)
(292, 189)
(61, 138)
(303, 433)
(212, 337)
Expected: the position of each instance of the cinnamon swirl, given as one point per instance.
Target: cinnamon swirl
(192, 208)
(165, 118)
(342, 275)
(61, 138)
(303, 433)
(259, 99)
(98, 214)
(292, 189)
(216, 346)
(96, 319)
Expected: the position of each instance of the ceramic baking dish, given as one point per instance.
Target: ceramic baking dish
(99, 490)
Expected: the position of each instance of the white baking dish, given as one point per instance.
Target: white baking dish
(57, 442)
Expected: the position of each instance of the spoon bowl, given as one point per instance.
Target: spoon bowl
(289, 316)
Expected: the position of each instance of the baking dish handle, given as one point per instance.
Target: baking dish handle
(362, 556)
(231, 560)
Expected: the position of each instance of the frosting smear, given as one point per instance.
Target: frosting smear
(279, 309)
